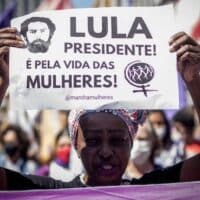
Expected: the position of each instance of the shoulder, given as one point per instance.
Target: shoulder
(167, 175)
(17, 181)
(50, 183)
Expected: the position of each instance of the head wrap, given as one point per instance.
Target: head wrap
(131, 117)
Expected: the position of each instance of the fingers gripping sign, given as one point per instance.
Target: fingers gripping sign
(8, 38)
(188, 55)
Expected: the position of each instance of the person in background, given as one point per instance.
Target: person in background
(160, 125)
(45, 129)
(59, 167)
(184, 123)
(66, 164)
(196, 133)
(63, 119)
(15, 144)
(142, 154)
(169, 152)
(183, 129)
(194, 148)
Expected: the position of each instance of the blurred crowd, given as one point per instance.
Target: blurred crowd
(38, 142)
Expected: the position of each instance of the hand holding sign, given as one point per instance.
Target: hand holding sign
(8, 38)
(188, 55)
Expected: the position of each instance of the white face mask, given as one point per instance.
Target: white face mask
(140, 152)
(197, 137)
(160, 132)
(197, 134)
(176, 136)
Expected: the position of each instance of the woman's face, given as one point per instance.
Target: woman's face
(158, 123)
(10, 137)
(11, 144)
(104, 145)
(156, 119)
(63, 142)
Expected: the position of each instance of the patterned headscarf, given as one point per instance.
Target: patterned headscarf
(131, 117)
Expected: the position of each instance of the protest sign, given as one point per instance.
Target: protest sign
(86, 58)
(176, 191)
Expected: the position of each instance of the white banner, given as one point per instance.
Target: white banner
(86, 58)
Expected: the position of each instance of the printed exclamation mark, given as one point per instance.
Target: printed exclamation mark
(115, 80)
(154, 50)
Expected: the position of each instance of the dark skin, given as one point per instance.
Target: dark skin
(106, 150)
(188, 63)
(188, 57)
(8, 38)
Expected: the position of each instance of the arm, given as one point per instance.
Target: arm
(3, 182)
(190, 170)
(188, 58)
(8, 38)
(11, 180)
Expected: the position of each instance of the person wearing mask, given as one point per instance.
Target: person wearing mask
(63, 119)
(60, 167)
(15, 144)
(103, 138)
(142, 154)
(184, 123)
(183, 128)
(196, 133)
(160, 125)
(194, 148)
(169, 152)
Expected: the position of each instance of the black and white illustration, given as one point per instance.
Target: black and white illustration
(37, 32)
